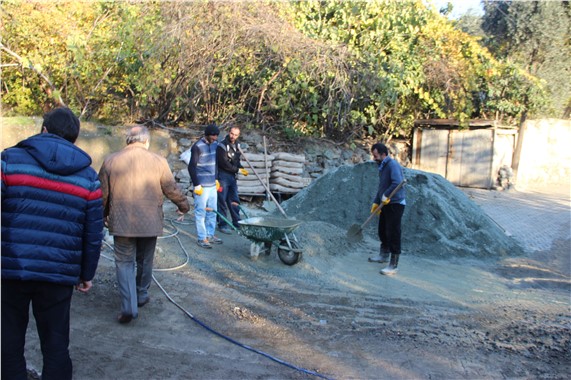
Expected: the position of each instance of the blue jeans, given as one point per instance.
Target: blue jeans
(205, 221)
(134, 282)
(226, 197)
(50, 305)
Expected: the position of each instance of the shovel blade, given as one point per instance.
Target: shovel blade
(355, 233)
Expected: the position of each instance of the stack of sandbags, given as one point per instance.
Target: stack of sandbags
(286, 175)
(251, 185)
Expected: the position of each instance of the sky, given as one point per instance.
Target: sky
(460, 6)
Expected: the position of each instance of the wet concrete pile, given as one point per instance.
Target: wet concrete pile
(439, 219)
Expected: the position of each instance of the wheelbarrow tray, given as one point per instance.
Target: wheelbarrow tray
(266, 229)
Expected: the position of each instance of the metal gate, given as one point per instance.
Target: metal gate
(469, 158)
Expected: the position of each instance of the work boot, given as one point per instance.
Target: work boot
(392, 267)
(382, 257)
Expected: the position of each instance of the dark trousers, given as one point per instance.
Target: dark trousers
(134, 258)
(228, 195)
(50, 305)
(390, 228)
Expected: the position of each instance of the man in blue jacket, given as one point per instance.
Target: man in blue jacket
(52, 223)
(390, 176)
(203, 172)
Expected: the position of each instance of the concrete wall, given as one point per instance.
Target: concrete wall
(545, 154)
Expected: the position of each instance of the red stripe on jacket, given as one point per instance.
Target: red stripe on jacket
(47, 184)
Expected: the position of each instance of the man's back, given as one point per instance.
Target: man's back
(52, 216)
(134, 182)
(52, 224)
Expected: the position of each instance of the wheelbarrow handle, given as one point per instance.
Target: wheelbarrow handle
(236, 204)
(209, 209)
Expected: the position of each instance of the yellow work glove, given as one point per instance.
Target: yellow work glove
(218, 187)
(198, 190)
(385, 201)
(374, 207)
(244, 172)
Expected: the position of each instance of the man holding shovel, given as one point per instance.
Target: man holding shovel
(390, 176)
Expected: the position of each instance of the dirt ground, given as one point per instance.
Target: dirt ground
(331, 315)
(483, 292)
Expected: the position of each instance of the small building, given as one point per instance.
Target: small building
(468, 157)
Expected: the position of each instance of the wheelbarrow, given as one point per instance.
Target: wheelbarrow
(265, 232)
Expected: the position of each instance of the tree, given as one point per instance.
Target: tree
(471, 23)
(535, 35)
(72, 48)
(313, 68)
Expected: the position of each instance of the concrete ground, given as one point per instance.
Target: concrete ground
(539, 218)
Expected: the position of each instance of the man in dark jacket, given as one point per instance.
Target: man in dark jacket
(52, 223)
(228, 160)
(390, 176)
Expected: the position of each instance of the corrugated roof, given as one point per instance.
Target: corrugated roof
(474, 123)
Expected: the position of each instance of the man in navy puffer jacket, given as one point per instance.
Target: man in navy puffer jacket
(52, 223)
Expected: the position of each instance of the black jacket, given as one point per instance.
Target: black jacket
(228, 157)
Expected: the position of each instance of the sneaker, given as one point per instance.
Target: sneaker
(379, 258)
(389, 270)
(214, 240)
(204, 244)
(225, 230)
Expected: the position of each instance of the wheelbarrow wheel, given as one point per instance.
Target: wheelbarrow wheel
(289, 256)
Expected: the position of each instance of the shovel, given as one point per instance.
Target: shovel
(355, 232)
